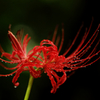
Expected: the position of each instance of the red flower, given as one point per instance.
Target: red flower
(53, 63)
(46, 57)
(19, 56)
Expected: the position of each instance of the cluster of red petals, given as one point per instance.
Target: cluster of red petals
(45, 57)
(19, 56)
(52, 63)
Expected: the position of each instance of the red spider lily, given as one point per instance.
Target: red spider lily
(20, 57)
(53, 63)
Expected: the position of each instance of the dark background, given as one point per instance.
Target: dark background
(38, 18)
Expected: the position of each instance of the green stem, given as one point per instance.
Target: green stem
(29, 87)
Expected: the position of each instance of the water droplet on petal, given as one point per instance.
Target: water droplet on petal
(15, 86)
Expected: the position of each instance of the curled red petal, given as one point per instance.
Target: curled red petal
(16, 76)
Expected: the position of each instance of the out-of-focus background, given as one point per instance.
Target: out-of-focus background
(38, 18)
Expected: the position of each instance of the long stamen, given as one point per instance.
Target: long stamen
(62, 39)
(8, 74)
(54, 35)
(11, 62)
(10, 68)
(73, 41)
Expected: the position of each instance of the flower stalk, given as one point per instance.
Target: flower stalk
(27, 94)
